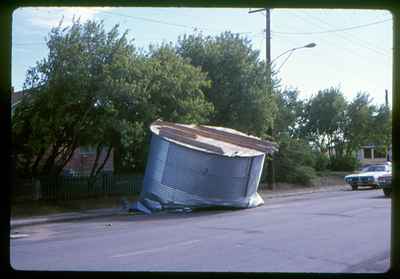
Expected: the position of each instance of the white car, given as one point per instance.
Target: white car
(368, 176)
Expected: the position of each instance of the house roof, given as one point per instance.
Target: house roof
(16, 97)
(212, 139)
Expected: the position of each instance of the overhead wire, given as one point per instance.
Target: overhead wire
(363, 59)
(328, 41)
(309, 17)
(296, 42)
(203, 28)
(312, 20)
(334, 30)
(352, 38)
(195, 28)
(349, 51)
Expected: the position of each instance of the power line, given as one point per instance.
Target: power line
(334, 53)
(352, 38)
(195, 28)
(333, 30)
(308, 19)
(347, 50)
(328, 42)
(150, 20)
(169, 23)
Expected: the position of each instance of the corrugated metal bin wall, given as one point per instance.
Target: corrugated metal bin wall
(177, 175)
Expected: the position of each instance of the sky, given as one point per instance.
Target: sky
(353, 47)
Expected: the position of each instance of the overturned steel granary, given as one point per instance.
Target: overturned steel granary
(193, 166)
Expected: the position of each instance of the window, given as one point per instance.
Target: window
(87, 150)
(367, 153)
(377, 168)
(380, 152)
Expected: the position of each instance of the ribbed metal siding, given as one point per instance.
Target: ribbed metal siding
(177, 174)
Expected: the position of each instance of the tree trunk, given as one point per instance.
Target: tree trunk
(49, 164)
(105, 160)
(65, 158)
(271, 173)
(24, 162)
(93, 173)
(34, 169)
(99, 149)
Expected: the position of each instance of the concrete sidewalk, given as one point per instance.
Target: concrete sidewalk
(95, 213)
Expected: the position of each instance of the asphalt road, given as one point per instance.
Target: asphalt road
(341, 231)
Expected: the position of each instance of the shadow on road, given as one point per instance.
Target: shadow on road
(360, 189)
(379, 197)
(163, 216)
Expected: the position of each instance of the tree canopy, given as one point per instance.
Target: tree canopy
(96, 89)
(237, 75)
(323, 119)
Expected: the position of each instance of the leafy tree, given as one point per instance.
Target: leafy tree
(177, 87)
(381, 128)
(95, 89)
(164, 86)
(29, 144)
(359, 119)
(68, 95)
(323, 120)
(288, 113)
(367, 124)
(295, 161)
(238, 90)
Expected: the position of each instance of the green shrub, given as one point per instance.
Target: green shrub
(301, 175)
(343, 163)
(294, 163)
(321, 161)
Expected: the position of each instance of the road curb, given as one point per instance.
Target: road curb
(117, 211)
(288, 194)
(63, 218)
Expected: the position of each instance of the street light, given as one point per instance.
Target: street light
(270, 166)
(310, 45)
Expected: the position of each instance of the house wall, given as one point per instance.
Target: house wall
(373, 159)
(389, 153)
(74, 162)
(82, 162)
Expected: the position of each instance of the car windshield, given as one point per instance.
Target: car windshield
(375, 168)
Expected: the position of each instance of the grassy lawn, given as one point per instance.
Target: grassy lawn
(36, 208)
(333, 173)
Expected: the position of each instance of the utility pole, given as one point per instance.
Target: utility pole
(386, 98)
(270, 166)
(267, 40)
(268, 43)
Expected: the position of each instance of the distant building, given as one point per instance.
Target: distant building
(16, 97)
(83, 159)
(389, 153)
(372, 154)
